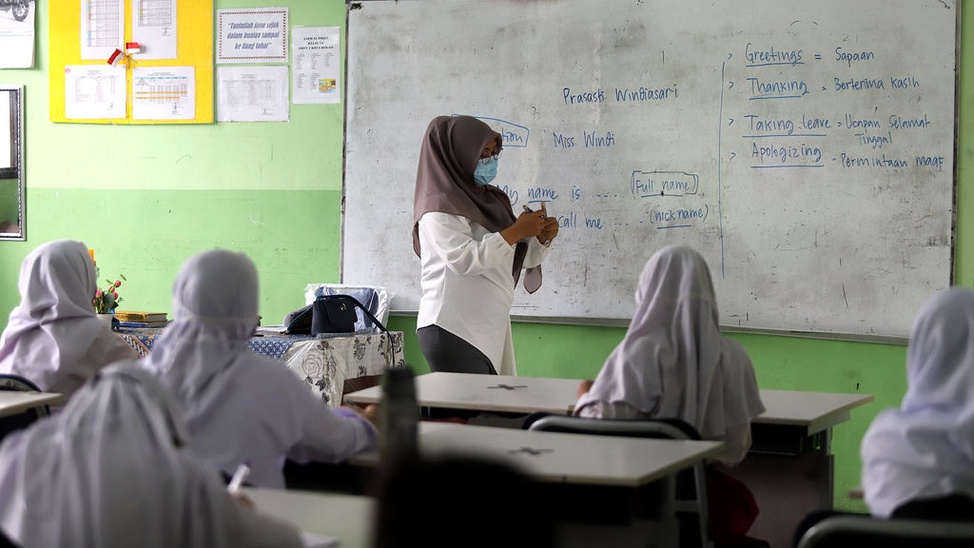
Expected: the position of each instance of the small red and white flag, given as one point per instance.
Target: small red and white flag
(115, 57)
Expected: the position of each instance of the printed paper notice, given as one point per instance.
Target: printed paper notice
(102, 28)
(252, 94)
(17, 37)
(94, 92)
(164, 93)
(256, 35)
(316, 63)
(154, 28)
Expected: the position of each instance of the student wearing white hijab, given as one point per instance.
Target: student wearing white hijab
(53, 337)
(112, 471)
(242, 407)
(674, 363)
(922, 453)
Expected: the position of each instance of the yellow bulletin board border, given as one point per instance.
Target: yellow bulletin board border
(194, 48)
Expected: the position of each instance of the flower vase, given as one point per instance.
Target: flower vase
(107, 318)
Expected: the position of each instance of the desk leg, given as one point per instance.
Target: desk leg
(786, 489)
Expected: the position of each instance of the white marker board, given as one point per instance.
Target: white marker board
(805, 148)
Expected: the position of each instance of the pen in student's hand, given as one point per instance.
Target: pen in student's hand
(239, 476)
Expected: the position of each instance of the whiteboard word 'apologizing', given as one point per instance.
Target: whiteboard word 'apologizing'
(802, 153)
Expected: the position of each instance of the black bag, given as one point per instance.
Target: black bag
(328, 314)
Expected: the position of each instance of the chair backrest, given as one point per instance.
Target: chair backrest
(675, 429)
(691, 483)
(869, 532)
(11, 423)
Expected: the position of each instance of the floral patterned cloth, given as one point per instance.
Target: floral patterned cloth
(324, 363)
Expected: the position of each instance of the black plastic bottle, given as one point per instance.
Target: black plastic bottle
(398, 417)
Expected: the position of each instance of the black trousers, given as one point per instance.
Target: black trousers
(444, 351)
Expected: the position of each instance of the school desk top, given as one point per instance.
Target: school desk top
(13, 402)
(557, 457)
(815, 411)
(344, 517)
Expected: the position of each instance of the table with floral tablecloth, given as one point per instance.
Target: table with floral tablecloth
(326, 363)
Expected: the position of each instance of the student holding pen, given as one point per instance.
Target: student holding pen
(472, 249)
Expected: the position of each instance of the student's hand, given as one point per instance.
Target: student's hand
(584, 387)
(370, 412)
(243, 499)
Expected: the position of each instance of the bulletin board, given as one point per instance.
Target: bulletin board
(194, 49)
(806, 149)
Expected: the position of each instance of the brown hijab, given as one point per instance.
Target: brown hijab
(444, 183)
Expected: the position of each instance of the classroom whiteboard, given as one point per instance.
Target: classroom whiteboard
(805, 148)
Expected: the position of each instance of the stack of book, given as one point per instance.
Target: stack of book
(133, 319)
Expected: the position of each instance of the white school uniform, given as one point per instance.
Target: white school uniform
(242, 407)
(673, 361)
(925, 447)
(467, 283)
(53, 337)
(112, 471)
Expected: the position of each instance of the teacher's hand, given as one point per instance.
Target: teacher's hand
(528, 223)
(549, 231)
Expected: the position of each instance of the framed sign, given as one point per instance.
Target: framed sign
(11, 162)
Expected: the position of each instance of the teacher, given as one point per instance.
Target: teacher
(472, 249)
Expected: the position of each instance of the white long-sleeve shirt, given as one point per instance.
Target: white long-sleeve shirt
(467, 283)
(260, 413)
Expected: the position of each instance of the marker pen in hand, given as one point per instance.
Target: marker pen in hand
(239, 476)
(544, 212)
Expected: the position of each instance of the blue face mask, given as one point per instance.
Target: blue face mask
(485, 172)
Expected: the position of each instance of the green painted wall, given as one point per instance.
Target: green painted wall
(147, 197)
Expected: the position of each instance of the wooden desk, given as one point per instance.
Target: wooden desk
(13, 402)
(630, 477)
(325, 364)
(345, 517)
(790, 466)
